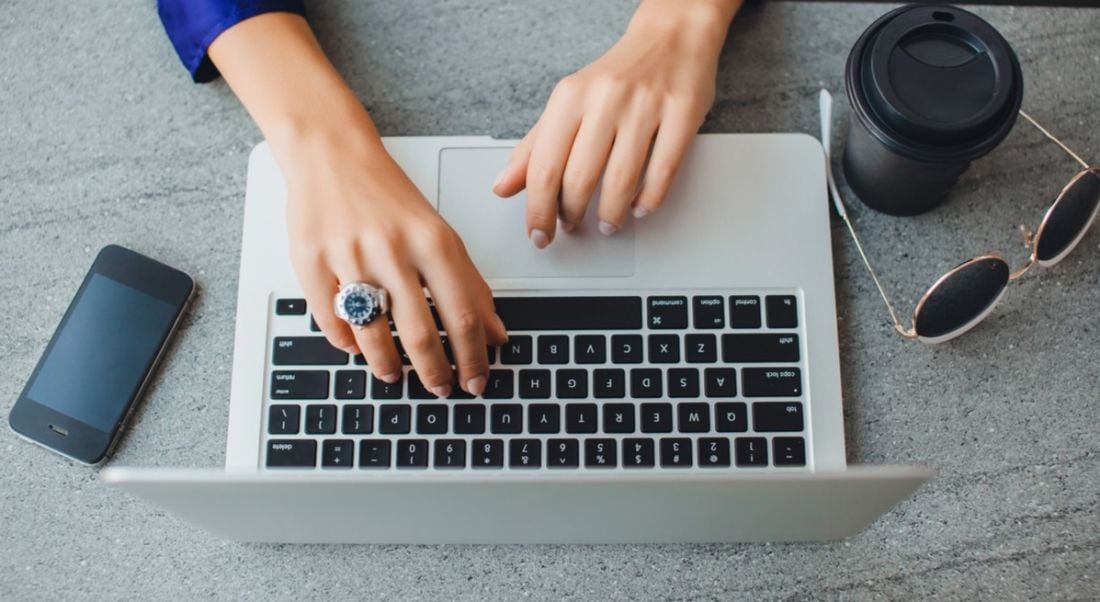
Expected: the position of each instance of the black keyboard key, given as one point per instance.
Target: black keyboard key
(283, 420)
(701, 348)
(290, 307)
(487, 453)
(469, 419)
(756, 348)
(656, 417)
(580, 418)
(618, 418)
(431, 419)
(609, 383)
(320, 419)
(506, 419)
(745, 312)
(544, 418)
(664, 349)
(590, 349)
(570, 313)
(645, 383)
(291, 453)
(313, 327)
(708, 312)
(501, 385)
(350, 384)
(751, 451)
(394, 419)
(562, 453)
(638, 453)
(667, 313)
(714, 452)
(338, 453)
(771, 382)
(450, 453)
(683, 382)
(675, 453)
(626, 349)
(600, 453)
(382, 390)
(401, 353)
(412, 453)
(777, 417)
(358, 419)
(299, 384)
(517, 350)
(417, 389)
(782, 311)
(492, 353)
(731, 417)
(572, 384)
(534, 384)
(720, 382)
(554, 349)
(789, 451)
(524, 453)
(306, 351)
(374, 453)
(359, 360)
(693, 417)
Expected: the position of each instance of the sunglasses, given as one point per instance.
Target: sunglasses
(963, 297)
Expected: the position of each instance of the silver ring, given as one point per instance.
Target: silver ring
(359, 303)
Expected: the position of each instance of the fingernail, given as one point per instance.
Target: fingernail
(441, 391)
(476, 385)
(352, 349)
(607, 228)
(497, 181)
(391, 378)
(540, 238)
(640, 212)
(566, 226)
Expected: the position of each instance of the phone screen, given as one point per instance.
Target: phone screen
(102, 352)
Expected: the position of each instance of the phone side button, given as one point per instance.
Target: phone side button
(291, 453)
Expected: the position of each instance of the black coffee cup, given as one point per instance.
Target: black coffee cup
(932, 88)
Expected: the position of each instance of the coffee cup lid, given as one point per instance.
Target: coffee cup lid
(935, 82)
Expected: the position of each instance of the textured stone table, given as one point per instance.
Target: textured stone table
(104, 139)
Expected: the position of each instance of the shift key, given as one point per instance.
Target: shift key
(306, 351)
(771, 382)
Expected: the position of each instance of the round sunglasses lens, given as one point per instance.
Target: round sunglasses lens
(1068, 219)
(958, 301)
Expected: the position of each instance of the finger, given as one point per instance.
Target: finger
(319, 285)
(495, 331)
(374, 340)
(514, 176)
(586, 162)
(462, 320)
(417, 329)
(557, 130)
(674, 137)
(624, 170)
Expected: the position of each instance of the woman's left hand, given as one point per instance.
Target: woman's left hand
(644, 99)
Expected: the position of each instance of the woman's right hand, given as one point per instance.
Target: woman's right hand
(354, 216)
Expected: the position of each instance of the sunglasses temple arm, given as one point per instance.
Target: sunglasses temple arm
(826, 110)
(1054, 139)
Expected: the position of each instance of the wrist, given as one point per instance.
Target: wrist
(702, 21)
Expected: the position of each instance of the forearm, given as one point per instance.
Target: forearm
(281, 75)
(706, 20)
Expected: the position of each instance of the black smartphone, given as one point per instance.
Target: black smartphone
(101, 356)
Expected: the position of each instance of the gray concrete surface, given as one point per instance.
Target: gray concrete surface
(104, 139)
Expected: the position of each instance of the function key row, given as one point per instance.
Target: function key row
(541, 418)
(554, 349)
(623, 313)
(707, 452)
(537, 383)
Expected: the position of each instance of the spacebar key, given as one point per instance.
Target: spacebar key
(306, 351)
(570, 313)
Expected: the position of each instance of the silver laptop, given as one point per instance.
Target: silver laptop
(676, 382)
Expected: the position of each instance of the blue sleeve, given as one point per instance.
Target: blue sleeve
(193, 24)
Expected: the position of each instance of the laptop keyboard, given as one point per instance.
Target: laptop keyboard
(602, 383)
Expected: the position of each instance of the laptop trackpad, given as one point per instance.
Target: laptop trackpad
(495, 233)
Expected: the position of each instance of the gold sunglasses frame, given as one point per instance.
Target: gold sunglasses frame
(1031, 240)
